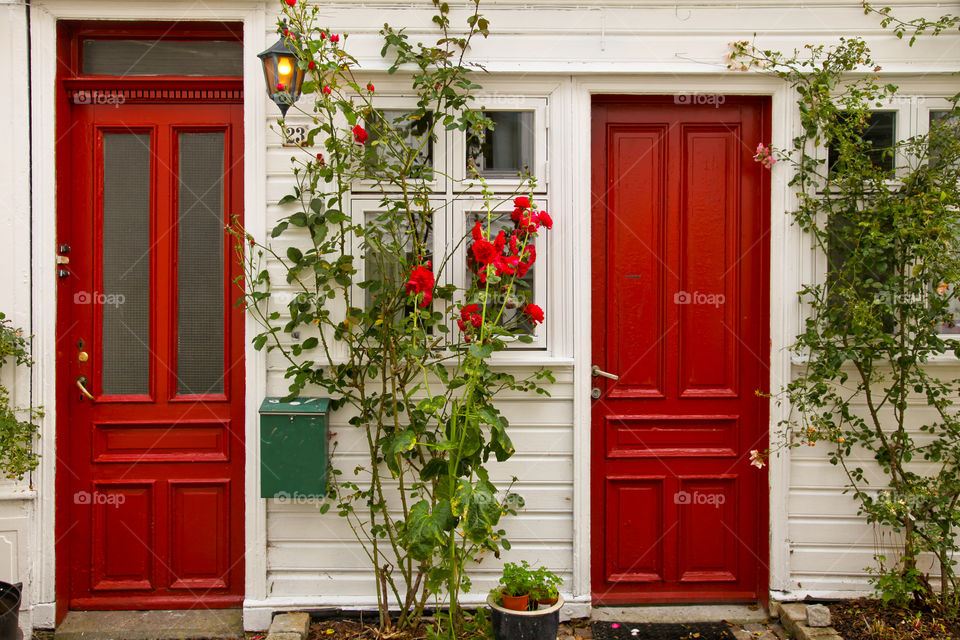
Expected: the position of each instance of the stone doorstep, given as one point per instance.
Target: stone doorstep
(216, 624)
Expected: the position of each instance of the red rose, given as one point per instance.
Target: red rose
(522, 268)
(521, 202)
(421, 281)
(500, 242)
(544, 218)
(334, 38)
(360, 134)
(323, 35)
(484, 251)
(311, 65)
(469, 310)
(370, 87)
(477, 231)
(534, 312)
(529, 222)
(279, 86)
(476, 320)
(326, 90)
(291, 3)
(530, 253)
(506, 265)
(462, 324)
(513, 243)
(320, 159)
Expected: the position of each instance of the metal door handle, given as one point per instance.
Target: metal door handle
(82, 385)
(596, 371)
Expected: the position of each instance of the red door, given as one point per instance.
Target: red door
(680, 273)
(150, 357)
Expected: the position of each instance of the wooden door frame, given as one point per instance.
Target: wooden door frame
(596, 545)
(227, 90)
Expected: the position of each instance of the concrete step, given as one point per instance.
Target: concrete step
(212, 624)
(682, 613)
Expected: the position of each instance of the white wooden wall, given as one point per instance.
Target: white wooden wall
(562, 50)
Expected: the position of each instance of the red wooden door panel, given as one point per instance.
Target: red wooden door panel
(150, 490)
(680, 314)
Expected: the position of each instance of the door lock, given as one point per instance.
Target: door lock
(595, 393)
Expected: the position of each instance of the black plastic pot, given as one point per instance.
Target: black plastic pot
(525, 625)
(10, 611)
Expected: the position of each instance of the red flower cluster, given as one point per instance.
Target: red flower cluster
(360, 134)
(469, 317)
(513, 261)
(421, 281)
(534, 312)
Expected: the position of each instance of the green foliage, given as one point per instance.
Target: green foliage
(892, 241)
(17, 427)
(369, 318)
(518, 579)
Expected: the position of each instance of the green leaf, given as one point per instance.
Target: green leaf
(294, 254)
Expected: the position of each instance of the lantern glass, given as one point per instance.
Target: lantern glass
(283, 77)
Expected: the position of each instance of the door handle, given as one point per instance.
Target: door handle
(596, 371)
(82, 385)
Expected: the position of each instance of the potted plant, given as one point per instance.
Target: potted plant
(544, 591)
(521, 623)
(516, 585)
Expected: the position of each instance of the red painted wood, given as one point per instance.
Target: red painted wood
(150, 498)
(680, 313)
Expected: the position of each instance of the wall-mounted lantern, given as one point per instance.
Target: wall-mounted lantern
(283, 78)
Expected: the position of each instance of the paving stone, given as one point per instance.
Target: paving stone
(753, 626)
(289, 626)
(740, 634)
(818, 616)
(792, 614)
(804, 632)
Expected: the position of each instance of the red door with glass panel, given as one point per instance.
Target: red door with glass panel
(680, 314)
(150, 357)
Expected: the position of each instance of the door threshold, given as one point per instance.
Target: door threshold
(212, 624)
(679, 613)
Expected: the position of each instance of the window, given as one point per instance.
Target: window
(414, 130)
(523, 292)
(880, 134)
(153, 57)
(506, 150)
(942, 118)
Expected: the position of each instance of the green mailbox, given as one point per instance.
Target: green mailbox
(293, 448)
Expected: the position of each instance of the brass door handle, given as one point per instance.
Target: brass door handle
(82, 385)
(595, 371)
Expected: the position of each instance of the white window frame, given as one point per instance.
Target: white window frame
(458, 155)
(460, 228)
(441, 170)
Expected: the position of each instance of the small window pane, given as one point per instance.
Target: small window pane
(125, 299)
(415, 131)
(942, 118)
(162, 58)
(200, 264)
(523, 292)
(880, 134)
(381, 241)
(506, 151)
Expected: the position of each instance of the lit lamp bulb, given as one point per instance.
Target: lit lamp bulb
(285, 71)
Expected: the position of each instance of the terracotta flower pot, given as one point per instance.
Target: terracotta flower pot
(516, 603)
(548, 602)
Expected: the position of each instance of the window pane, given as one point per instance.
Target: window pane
(523, 291)
(415, 132)
(162, 58)
(200, 264)
(880, 134)
(125, 299)
(942, 118)
(507, 150)
(380, 241)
